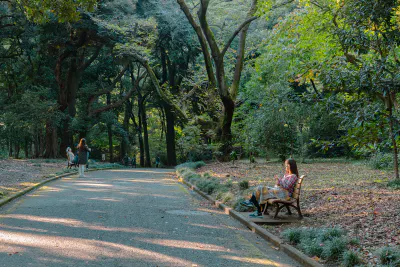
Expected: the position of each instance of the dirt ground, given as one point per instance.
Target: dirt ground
(16, 175)
(346, 194)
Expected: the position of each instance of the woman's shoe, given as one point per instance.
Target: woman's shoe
(256, 215)
(247, 203)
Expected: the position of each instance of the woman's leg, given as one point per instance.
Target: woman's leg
(253, 200)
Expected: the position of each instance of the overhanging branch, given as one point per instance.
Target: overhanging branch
(228, 44)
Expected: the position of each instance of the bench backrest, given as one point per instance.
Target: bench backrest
(296, 192)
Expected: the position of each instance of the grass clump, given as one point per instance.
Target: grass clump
(389, 256)
(381, 161)
(292, 235)
(351, 258)
(191, 165)
(243, 185)
(208, 186)
(395, 184)
(326, 243)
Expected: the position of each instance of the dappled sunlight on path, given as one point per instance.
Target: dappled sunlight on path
(123, 218)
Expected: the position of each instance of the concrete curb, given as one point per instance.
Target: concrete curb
(291, 251)
(27, 190)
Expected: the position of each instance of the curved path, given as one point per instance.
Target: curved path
(127, 217)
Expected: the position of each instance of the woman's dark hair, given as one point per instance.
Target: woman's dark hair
(82, 144)
(292, 166)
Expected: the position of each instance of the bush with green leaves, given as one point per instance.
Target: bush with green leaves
(228, 183)
(351, 258)
(243, 185)
(191, 165)
(389, 256)
(395, 184)
(292, 235)
(381, 160)
(327, 243)
(209, 186)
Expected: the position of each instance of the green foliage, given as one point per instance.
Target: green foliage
(292, 235)
(243, 185)
(208, 186)
(228, 183)
(191, 146)
(334, 248)
(351, 258)
(191, 165)
(233, 155)
(395, 184)
(381, 160)
(389, 256)
(43, 10)
(326, 243)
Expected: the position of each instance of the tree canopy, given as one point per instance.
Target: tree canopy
(188, 80)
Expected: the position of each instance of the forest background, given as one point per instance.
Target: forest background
(204, 80)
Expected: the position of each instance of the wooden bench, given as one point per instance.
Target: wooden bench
(280, 203)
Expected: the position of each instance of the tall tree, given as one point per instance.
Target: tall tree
(209, 42)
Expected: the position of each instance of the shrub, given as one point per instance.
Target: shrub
(292, 235)
(351, 258)
(326, 243)
(191, 165)
(330, 233)
(208, 186)
(311, 247)
(334, 248)
(226, 197)
(206, 175)
(395, 184)
(381, 160)
(389, 256)
(354, 242)
(229, 183)
(243, 185)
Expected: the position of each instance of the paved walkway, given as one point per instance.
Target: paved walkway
(127, 217)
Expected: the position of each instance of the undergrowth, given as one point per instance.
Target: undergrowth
(329, 244)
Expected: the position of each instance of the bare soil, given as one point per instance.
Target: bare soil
(16, 175)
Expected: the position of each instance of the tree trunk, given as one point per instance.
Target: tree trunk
(139, 131)
(17, 149)
(170, 136)
(10, 147)
(26, 147)
(147, 159)
(51, 141)
(392, 137)
(110, 134)
(125, 125)
(205, 34)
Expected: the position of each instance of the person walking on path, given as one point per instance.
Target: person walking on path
(157, 162)
(83, 150)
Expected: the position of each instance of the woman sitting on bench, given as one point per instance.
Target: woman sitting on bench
(283, 189)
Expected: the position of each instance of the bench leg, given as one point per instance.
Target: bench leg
(288, 211)
(299, 211)
(278, 208)
(265, 209)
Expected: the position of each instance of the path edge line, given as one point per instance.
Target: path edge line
(29, 189)
(289, 250)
